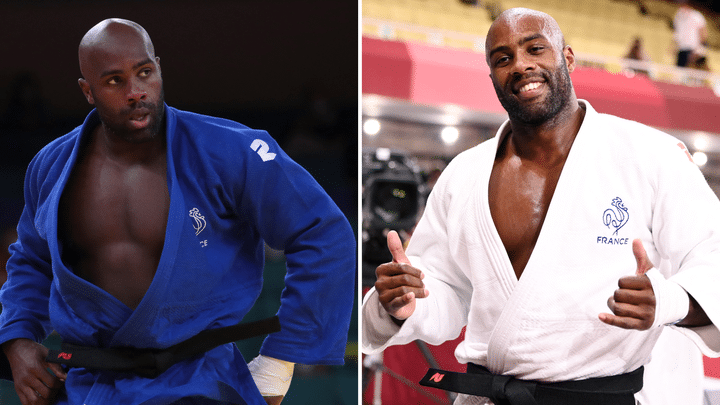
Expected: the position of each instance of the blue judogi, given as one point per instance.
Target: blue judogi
(231, 189)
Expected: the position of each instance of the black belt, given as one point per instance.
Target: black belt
(507, 390)
(152, 362)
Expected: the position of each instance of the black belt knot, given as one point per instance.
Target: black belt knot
(498, 384)
(509, 389)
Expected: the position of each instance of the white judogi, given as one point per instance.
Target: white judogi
(675, 373)
(622, 180)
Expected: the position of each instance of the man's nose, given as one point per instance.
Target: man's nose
(136, 92)
(523, 63)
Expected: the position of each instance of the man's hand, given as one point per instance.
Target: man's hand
(633, 304)
(398, 283)
(35, 383)
(272, 377)
(274, 400)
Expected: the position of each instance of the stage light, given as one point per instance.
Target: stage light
(450, 135)
(371, 127)
(700, 158)
(700, 141)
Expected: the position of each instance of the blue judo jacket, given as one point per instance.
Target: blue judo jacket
(232, 189)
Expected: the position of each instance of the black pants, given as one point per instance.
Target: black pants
(683, 57)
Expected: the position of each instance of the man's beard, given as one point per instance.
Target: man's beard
(560, 90)
(157, 116)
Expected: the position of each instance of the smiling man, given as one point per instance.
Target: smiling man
(509, 244)
(141, 244)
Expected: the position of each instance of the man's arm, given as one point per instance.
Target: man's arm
(703, 35)
(642, 302)
(293, 213)
(435, 275)
(696, 315)
(24, 320)
(684, 223)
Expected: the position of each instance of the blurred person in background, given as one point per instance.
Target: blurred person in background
(699, 61)
(528, 238)
(144, 229)
(637, 53)
(690, 33)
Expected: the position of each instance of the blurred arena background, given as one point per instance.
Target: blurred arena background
(426, 96)
(287, 67)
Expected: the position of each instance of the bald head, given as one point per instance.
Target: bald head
(530, 68)
(112, 35)
(122, 79)
(516, 19)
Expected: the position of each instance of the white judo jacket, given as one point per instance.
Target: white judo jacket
(622, 180)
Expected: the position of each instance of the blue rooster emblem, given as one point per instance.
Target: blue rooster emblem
(616, 217)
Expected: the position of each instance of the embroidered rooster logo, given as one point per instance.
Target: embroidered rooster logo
(199, 220)
(616, 217)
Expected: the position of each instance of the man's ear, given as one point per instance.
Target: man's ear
(85, 88)
(569, 58)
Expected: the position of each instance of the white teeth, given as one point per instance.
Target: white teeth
(529, 86)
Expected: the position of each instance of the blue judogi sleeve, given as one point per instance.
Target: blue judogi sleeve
(25, 294)
(293, 213)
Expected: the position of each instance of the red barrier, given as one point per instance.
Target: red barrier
(425, 74)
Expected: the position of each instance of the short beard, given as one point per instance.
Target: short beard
(148, 134)
(559, 97)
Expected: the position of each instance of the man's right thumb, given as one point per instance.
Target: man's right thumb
(396, 248)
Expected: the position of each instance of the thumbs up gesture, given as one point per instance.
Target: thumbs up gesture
(633, 304)
(398, 283)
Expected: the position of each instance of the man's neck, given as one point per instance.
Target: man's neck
(126, 151)
(548, 143)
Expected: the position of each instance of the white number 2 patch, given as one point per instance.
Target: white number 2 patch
(262, 149)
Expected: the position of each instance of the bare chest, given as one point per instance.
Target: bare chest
(103, 202)
(112, 223)
(519, 196)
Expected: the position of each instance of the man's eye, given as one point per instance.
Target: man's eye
(501, 60)
(536, 49)
(145, 72)
(114, 80)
